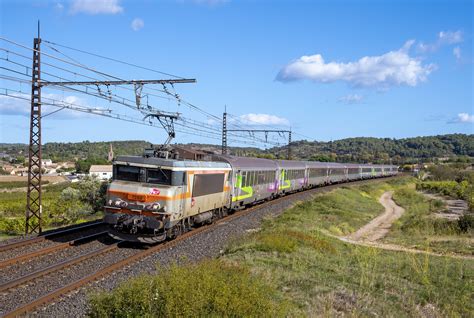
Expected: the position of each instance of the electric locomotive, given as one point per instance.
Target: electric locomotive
(151, 199)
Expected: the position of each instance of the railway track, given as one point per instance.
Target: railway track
(134, 257)
(51, 235)
(49, 250)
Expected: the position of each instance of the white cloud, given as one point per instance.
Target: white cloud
(457, 53)
(59, 6)
(450, 37)
(444, 38)
(351, 99)
(96, 7)
(462, 118)
(137, 24)
(394, 68)
(19, 105)
(263, 119)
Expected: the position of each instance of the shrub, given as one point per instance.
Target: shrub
(275, 242)
(209, 289)
(12, 226)
(466, 223)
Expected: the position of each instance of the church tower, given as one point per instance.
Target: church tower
(111, 154)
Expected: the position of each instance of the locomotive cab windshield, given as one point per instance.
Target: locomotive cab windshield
(154, 175)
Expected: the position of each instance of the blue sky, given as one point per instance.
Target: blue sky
(328, 69)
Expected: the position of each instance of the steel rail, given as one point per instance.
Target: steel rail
(33, 240)
(48, 298)
(49, 250)
(56, 267)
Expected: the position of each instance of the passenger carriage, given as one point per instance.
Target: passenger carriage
(337, 172)
(292, 175)
(316, 173)
(253, 180)
(353, 171)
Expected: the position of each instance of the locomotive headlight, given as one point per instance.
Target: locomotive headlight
(121, 204)
(152, 207)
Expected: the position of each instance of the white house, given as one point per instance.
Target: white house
(102, 172)
(46, 162)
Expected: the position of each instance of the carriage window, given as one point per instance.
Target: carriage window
(244, 179)
(127, 173)
(261, 177)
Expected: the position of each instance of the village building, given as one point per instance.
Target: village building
(102, 172)
(189, 153)
(46, 162)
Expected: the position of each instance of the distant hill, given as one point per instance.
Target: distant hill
(366, 149)
(360, 149)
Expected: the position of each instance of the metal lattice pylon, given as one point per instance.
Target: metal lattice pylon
(33, 198)
(224, 133)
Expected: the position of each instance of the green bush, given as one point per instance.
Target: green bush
(460, 190)
(466, 223)
(12, 226)
(208, 289)
(275, 242)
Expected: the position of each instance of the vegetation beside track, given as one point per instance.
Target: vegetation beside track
(212, 288)
(63, 204)
(311, 272)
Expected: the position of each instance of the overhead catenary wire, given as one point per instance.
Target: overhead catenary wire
(85, 67)
(193, 106)
(79, 74)
(112, 59)
(202, 126)
(211, 128)
(107, 113)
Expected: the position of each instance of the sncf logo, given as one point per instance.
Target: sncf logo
(154, 191)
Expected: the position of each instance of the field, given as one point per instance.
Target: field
(63, 204)
(298, 262)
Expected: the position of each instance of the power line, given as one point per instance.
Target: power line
(80, 65)
(112, 59)
(80, 74)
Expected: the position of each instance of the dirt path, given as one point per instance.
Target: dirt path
(379, 227)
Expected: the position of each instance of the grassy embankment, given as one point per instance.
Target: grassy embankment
(291, 266)
(61, 206)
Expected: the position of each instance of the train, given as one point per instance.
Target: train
(151, 199)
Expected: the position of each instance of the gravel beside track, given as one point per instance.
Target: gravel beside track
(12, 253)
(18, 270)
(203, 245)
(29, 292)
